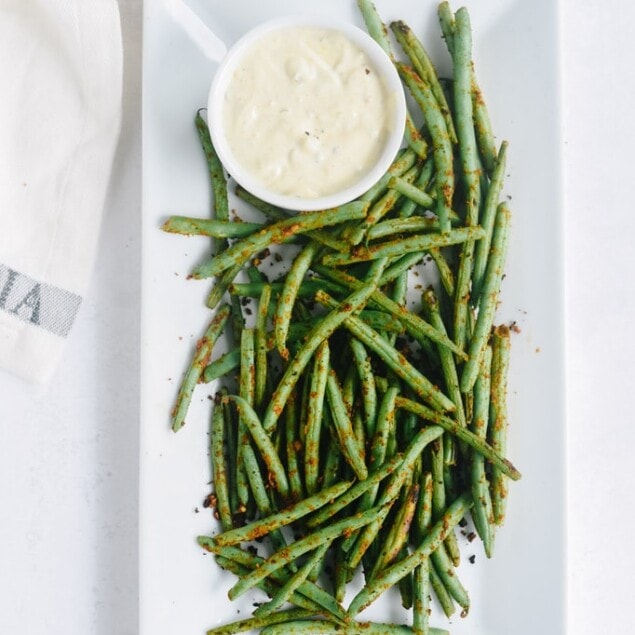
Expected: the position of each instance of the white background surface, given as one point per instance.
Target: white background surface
(68, 450)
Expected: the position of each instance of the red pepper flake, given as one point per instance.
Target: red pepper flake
(514, 328)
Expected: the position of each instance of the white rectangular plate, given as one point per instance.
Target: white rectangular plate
(521, 591)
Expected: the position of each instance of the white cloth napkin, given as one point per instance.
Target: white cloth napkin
(60, 112)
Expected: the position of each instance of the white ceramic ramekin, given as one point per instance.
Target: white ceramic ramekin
(382, 65)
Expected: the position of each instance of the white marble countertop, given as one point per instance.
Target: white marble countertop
(69, 450)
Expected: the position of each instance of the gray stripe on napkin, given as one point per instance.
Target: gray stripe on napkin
(38, 303)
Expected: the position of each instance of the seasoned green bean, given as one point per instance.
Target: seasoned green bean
(231, 432)
(448, 575)
(260, 342)
(247, 390)
(392, 249)
(421, 606)
(216, 172)
(501, 345)
(398, 534)
(306, 289)
(333, 460)
(423, 515)
(486, 220)
(285, 517)
(279, 232)
(484, 134)
(482, 513)
(438, 482)
(419, 58)
(445, 271)
(489, 297)
(222, 366)
(402, 226)
(445, 599)
(289, 293)
(461, 433)
(197, 366)
(374, 25)
(379, 443)
(350, 446)
(441, 142)
(400, 266)
(260, 493)
(292, 424)
(462, 59)
(446, 21)
(220, 468)
(218, 290)
(414, 193)
(314, 417)
(367, 382)
(209, 227)
(448, 364)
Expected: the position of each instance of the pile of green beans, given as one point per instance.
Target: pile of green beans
(351, 431)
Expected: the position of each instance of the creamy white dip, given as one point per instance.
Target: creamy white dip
(305, 112)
